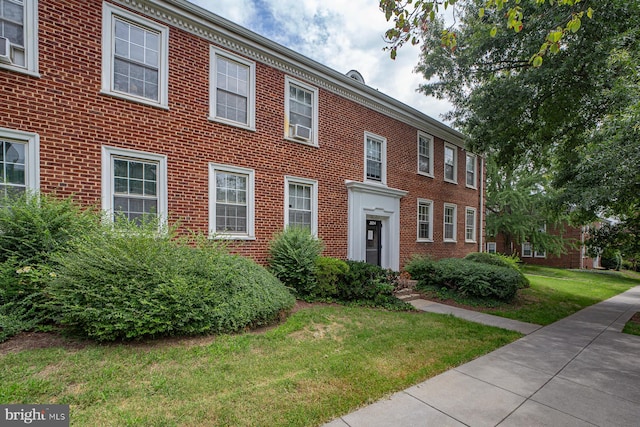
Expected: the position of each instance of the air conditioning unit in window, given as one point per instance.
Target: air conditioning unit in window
(5, 50)
(302, 132)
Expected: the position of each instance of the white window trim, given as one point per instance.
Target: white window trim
(455, 164)
(251, 96)
(429, 138)
(430, 237)
(466, 225)
(492, 247)
(522, 251)
(107, 178)
(32, 154)
(250, 234)
(288, 81)
(30, 41)
(383, 171)
(109, 12)
(455, 222)
(314, 200)
(475, 170)
(537, 254)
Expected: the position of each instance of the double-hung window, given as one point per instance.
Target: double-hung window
(526, 250)
(231, 202)
(134, 57)
(375, 158)
(491, 247)
(134, 184)
(19, 162)
(425, 154)
(449, 232)
(19, 35)
(471, 171)
(470, 225)
(450, 163)
(232, 98)
(301, 112)
(425, 220)
(301, 203)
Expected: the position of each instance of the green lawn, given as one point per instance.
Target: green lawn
(556, 293)
(321, 363)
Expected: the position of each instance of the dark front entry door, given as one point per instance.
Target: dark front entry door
(374, 243)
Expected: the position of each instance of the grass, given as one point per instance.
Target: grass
(633, 325)
(556, 293)
(321, 363)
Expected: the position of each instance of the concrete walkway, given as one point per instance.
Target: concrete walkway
(579, 371)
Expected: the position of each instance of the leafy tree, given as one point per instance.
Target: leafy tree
(575, 120)
(520, 206)
(412, 18)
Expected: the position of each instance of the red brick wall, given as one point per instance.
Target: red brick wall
(64, 106)
(571, 259)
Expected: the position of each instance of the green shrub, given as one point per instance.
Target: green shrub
(420, 267)
(292, 259)
(35, 226)
(330, 272)
(611, 259)
(129, 282)
(472, 279)
(370, 285)
(499, 260)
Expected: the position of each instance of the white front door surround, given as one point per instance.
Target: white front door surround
(374, 202)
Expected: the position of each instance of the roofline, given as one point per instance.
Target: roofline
(255, 41)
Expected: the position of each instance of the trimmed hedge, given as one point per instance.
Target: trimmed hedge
(131, 284)
(330, 273)
(467, 278)
(500, 261)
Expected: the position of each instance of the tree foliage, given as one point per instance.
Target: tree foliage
(571, 127)
(412, 18)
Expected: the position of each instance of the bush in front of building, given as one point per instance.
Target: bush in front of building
(500, 260)
(611, 259)
(292, 259)
(34, 227)
(330, 273)
(467, 278)
(130, 282)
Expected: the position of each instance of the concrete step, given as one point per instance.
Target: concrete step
(406, 297)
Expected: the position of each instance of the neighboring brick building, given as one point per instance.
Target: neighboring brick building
(158, 106)
(575, 257)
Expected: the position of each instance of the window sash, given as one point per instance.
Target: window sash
(300, 107)
(471, 171)
(424, 221)
(374, 159)
(449, 163)
(135, 188)
(136, 59)
(470, 226)
(424, 155)
(449, 223)
(526, 249)
(232, 90)
(300, 205)
(231, 202)
(13, 165)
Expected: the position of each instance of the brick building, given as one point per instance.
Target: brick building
(161, 107)
(575, 255)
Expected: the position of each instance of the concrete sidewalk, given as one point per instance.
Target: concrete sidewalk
(579, 371)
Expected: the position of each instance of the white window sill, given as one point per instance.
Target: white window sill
(230, 237)
(428, 175)
(424, 241)
(450, 241)
(232, 123)
(21, 70)
(450, 181)
(135, 99)
(299, 141)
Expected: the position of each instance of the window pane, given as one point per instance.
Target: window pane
(13, 12)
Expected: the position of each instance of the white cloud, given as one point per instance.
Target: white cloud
(341, 35)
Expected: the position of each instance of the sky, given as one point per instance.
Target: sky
(343, 35)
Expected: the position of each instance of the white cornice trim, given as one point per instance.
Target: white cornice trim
(233, 37)
(363, 187)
